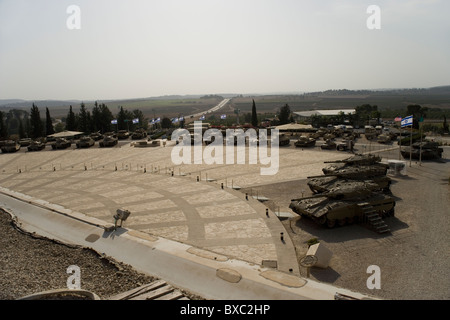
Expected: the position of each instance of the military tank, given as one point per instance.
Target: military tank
(10, 146)
(139, 134)
(305, 142)
(36, 145)
(429, 149)
(357, 166)
(123, 134)
(284, 140)
(328, 145)
(325, 183)
(85, 142)
(108, 141)
(61, 143)
(352, 202)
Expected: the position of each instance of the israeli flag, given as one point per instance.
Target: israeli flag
(114, 121)
(408, 121)
(174, 120)
(202, 117)
(181, 118)
(224, 116)
(157, 120)
(152, 121)
(136, 120)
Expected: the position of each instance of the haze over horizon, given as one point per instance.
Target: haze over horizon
(137, 49)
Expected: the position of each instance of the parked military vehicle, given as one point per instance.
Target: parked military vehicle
(354, 202)
(329, 144)
(305, 142)
(85, 142)
(9, 146)
(426, 150)
(384, 138)
(123, 134)
(108, 141)
(96, 136)
(61, 143)
(326, 183)
(36, 145)
(25, 142)
(139, 134)
(284, 140)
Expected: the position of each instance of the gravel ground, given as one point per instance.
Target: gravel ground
(31, 264)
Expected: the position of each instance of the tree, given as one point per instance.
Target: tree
(417, 111)
(254, 115)
(445, 124)
(3, 128)
(71, 124)
(36, 126)
(101, 118)
(166, 123)
(83, 120)
(285, 113)
(48, 123)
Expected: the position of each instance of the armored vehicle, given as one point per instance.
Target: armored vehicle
(61, 143)
(96, 136)
(284, 140)
(428, 149)
(123, 134)
(326, 183)
(305, 142)
(329, 144)
(10, 146)
(139, 134)
(354, 203)
(36, 145)
(25, 142)
(85, 142)
(108, 141)
(384, 138)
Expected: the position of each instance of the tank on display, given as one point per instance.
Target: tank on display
(10, 146)
(139, 134)
(36, 145)
(284, 139)
(61, 143)
(329, 145)
(341, 206)
(426, 150)
(85, 142)
(326, 183)
(305, 142)
(357, 167)
(123, 134)
(108, 141)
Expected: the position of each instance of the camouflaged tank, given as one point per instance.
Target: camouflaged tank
(357, 167)
(345, 204)
(10, 146)
(426, 150)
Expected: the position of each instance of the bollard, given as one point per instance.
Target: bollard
(221, 185)
(281, 236)
(267, 212)
(246, 196)
(198, 179)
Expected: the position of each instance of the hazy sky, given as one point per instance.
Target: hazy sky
(143, 48)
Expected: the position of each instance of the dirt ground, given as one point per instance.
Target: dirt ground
(413, 258)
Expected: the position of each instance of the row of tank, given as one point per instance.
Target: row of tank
(350, 190)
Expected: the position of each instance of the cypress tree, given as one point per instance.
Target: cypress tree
(36, 127)
(254, 115)
(48, 123)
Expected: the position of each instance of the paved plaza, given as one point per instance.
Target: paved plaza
(193, 204)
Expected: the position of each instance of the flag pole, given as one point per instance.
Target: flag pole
(410, 147)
